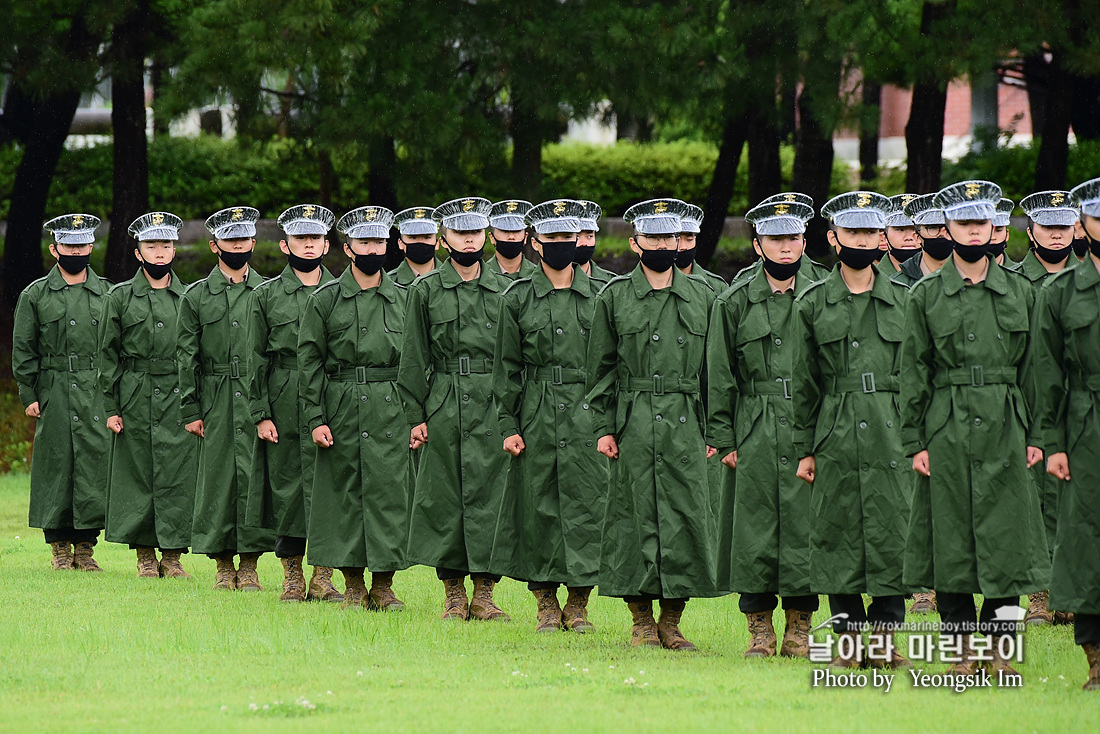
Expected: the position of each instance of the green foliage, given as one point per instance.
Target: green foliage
(16, 431)
(1013, 168)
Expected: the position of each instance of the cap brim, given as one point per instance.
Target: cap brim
(74, 238)
(780, 226)
(860, 219)
(971, 212)
(367, 231)
(899, 220)
(158, 234)
(235, 230)
(507, 223)
(466, 222)
(1091, 208)
(415, 227)
(656, 225)
(930, 218)
(589, 225)
(564, 225)
(690, 226)
(302, 227)
(1054, 217)
(1001, 220)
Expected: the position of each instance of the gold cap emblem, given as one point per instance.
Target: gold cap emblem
(781, 209)
(660, 207)
(972, 190)
(468, 205)
(238, 214)
(863, 200)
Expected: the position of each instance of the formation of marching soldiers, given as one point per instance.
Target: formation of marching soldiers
(918, 420)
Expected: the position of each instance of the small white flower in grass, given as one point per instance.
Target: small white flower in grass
(610, 667)
(328, 693)
(629, 681)
(584, 670)
(645, 684)
(266, 707)
(1061, 677)
(641, 672)
(515, 672)
(359, 673)
(225, 708)
(252, 707)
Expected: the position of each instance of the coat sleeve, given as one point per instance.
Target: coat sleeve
(508, 368)
(916, 366)
(1047, 374)
(602, 367)
(412, 377)
(258, 334)
(25, 354)
(312, 354)
(1027, 377)
(110, 349)
(187, 356)
(722, 391)
(806, 377)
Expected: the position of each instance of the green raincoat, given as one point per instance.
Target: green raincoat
(845, 401)
(348, 356)
(600, 276)
(55, 342)
(213, 352)
(526, 268)
(975, 525)
(282, 473)
(764, 534)
(446, 381)
(403, 274)
(644, 381)
(1065, 350)
(151, 489)
(557, 486)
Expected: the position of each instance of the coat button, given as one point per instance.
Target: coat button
(782, 459)
(95, 417)
(465, 434)
(72, 322)
(893, 465)
(236, 323)
(863, 424)
(582, 332)
(95, 321)
(889, 424)
(389, 399)
(977, 421)
(238, 393)
(683, 419)
(558, 330)
(683, 459)
(76, 418)
(587, 443)
(561, 406)
(778, 341)
(977, 465)
(156, 423)
(389, 434)
(659, 418)
(366, 435)
(561, 444)
(970, 336)
(175, 389)
(239, 431)
(855, 343)
(680, 339)
(1000, 337)
(488, 325)
(849, 299)
(656, 338)
(74, 386)
(864, 467)
(782, 421)
(160, 324)
(659, 459)
(584, 406)
(363, 330)
(363, 398)
(466, 397)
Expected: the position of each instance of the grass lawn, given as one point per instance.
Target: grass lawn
(109, 652)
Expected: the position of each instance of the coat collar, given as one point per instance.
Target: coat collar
(216, 282)
(760, 289)
(487, 279)
(349, 286)
(836, 290)
(1086, 275)
(582, 284)
(995, 280)
(56, 281)
(139, 285)
(291, 282)
(681, 284)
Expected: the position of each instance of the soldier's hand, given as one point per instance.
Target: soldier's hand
(711, 452)
(196, 428)
(115, 423)
(266, 430)
(33, 410)
(920, 463)
(514, 445)
(419, 436)
(806, 469)
(1034, 456)
(322, 436)
(608, 446)
(1058, 466)
(730, 460)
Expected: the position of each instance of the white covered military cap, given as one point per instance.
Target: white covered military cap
(1004, 212)
(1051, 208)
(366, 223)
(923, 212)
(156, 227)
(897, 216)
(73, 229)
(780, 218)
(654, 217)
(507, 215)
(464, 215)
(591, 215)
(1087, 197)
(857, 210)
(968, 201)
(234, 222)
(556, 216)
(416, 221)
(306, 219)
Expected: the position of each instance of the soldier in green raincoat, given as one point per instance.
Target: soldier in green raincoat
(214, 353)
(644, 381)
(55, 341)
(691, 217)
(151, 487)
(417, 233)
(446, 387)
(935, 247)
(557, 481)
(1066, 351)
(997, 245)
(586, 244)
(282, 460)
(902, 240)
(348, 355)
(509, 236)
(847, 341)
(764, 533)
(975, 526)
(1051, 222)
(810, 268)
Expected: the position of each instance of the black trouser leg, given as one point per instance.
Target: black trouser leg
(1086, 629)
(851, 605)
(287, 546)
(71, 535)
(992, 627)
(753, 603)
(446, 574)
(957, 615)
(640, 598)
(808, 603)
(886, 611)
(542, 585)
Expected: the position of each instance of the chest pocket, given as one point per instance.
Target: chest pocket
(891, 323)
(753, 325)
(832, 329)
(534, 319)
(1011, 314)
(212, 310)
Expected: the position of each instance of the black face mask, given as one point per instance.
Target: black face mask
(466, 259)
(659, 261)
(155, 271)
(509, 250)
(938, 248)
(558, 255)
(902, 254)
(369, 264)
(303, 264)
(858, 258)
(73, 264)
(1080, 247)
(998, 249)
(684, 258)
(1094, 245)
(780, 271)
(583, 254)
(234, 260)
(1050, 254)
(420, 252)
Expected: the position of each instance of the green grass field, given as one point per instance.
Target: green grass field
(113, 653)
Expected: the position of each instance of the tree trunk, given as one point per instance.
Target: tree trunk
(734, 134)
(328, 186)
(924, 130)
(158, 73)
(1035, 77)
(526, 150)
(765, 177)
(381, 186)
(813, 153)
(1086, 107)
(869, 130)
(130, 188)
(1050, 167)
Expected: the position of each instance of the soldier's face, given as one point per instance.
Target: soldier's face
(780, 248)
(58, 249)
(237, 244)
(467, 240)
(641, 242)
(412, 239)
(507, 235)
(902, 238)
(970, 231)
(1053, 237)
(1000, 234)
(305, 245)
(360, 246)
(687, 240)
(586, 239)
(863, 239)
(552, 237)
(157, 252)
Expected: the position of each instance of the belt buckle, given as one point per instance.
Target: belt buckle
(786, 387)
(977, 376)
(361, 375)
(235, 368)
(556, 374)
(867, 379)
(71, 358)
(463, 365)
(658, 385)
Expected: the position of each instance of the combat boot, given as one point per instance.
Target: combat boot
(355, 588)
(248, 578)
(456, 605)
(885, 655)
(82, 557)
(968, 664)
(668, 627)
(644, 633)
(1092, 654)
(762, 641)
(850, 658)
(170, 566)
(321, 587)
(549, 612)
(574, 615)
(381, 597)
(147, 565)
(796, 635)
(924, 602)
(294, 580)
(1037, 612)
(482, 605)
(226, 576)
(62, 556)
